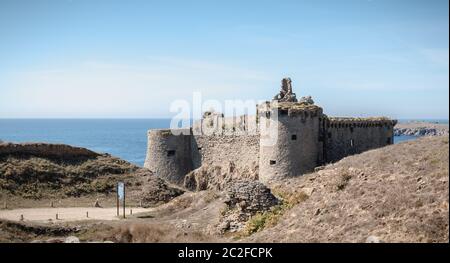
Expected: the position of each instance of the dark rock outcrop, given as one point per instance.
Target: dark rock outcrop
(250, 197)
(245, 199)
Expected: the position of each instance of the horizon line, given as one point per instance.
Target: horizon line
(164, 118)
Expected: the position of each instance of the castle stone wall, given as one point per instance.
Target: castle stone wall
(242, 150)
(219, 140)
(347, 136)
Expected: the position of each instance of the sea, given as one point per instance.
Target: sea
(123, 138)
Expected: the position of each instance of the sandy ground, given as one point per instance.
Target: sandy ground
(66, 214)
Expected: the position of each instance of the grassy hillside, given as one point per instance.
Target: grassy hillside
(36, 174)
(398, 193)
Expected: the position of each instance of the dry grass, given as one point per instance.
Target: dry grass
(36, 177)
(399, 193)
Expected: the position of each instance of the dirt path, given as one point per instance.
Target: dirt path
(66, 214)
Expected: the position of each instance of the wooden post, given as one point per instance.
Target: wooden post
(57, 216)
(21, 217)
(87, 214)
(131, 211)
(124, 200)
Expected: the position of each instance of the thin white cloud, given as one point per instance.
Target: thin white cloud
(99, 89)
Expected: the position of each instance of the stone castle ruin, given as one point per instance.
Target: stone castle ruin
(305, 138)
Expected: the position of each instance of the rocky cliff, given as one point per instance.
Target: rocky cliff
(421, 129)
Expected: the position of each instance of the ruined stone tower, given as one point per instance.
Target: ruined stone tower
(169, 155)
(289, 136)
(289, 139)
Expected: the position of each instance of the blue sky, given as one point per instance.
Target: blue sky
(131, 59)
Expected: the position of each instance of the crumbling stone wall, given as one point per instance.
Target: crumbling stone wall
(217, 124)
(172, 156)
(241, 150)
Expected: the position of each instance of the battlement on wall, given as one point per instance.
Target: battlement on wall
(338, 122)
(291, 109)
(217, 124)
(170, 132)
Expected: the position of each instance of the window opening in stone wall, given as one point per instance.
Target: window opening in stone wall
(272, 162)
(171, 153)
(283, 112)
(389, 140)
(351, 129)
(294, 137)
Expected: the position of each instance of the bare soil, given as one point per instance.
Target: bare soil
(68, 214)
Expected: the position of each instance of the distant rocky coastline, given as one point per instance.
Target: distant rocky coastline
(421, 129)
